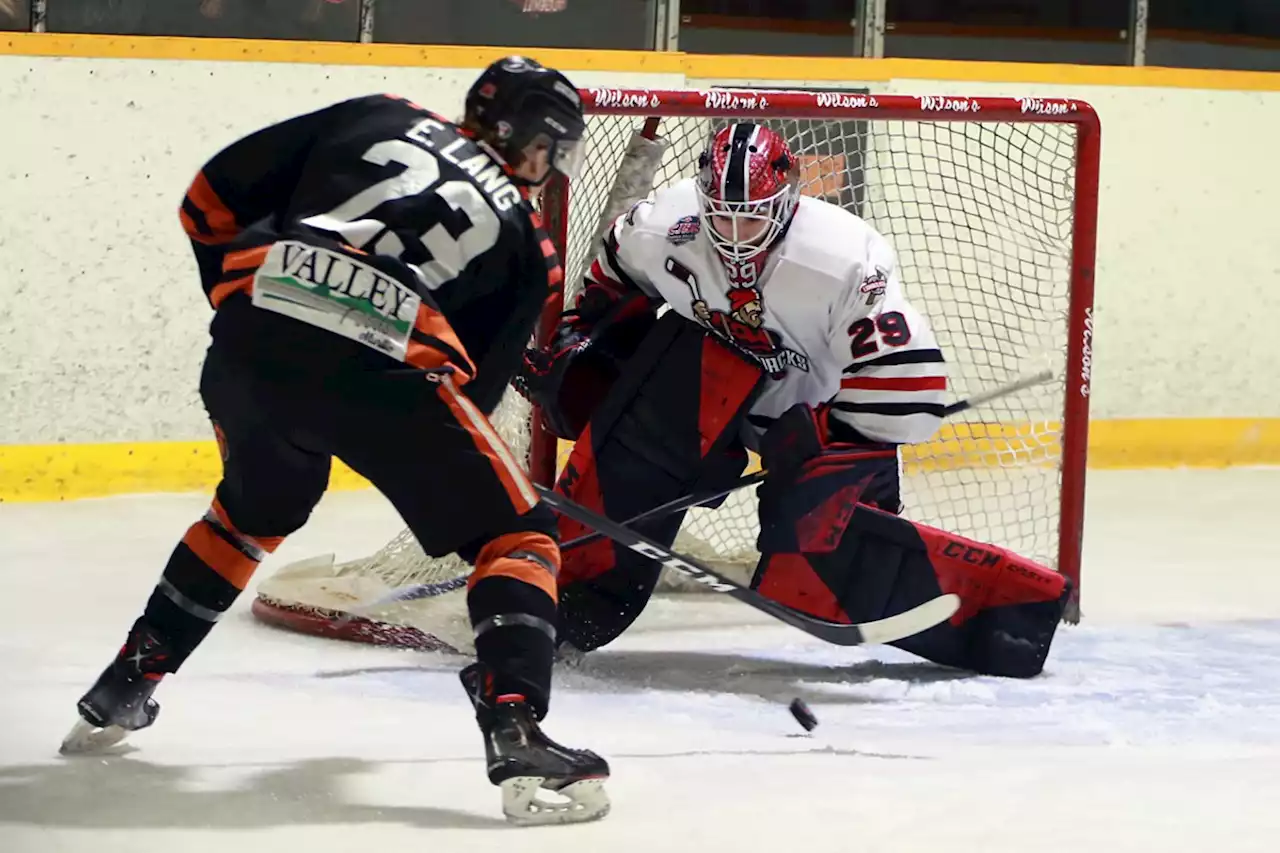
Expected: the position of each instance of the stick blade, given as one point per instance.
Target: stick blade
(917, 620)
(920, 618)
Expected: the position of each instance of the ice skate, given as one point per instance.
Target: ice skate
(120, 700)
(524, 762)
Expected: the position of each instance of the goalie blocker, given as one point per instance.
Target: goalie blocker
(668, 424)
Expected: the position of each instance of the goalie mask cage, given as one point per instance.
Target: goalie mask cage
(991, 207)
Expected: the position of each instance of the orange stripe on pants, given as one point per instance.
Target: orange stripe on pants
(513, 478)
(495, 560)
(432, 323)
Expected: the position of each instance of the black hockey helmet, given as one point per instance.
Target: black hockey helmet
(516, 100)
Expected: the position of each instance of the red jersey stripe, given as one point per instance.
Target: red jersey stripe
(876, 383)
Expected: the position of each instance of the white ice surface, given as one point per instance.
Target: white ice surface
(1155, 728)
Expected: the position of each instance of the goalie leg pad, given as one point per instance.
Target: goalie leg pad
(668, 427)
(880, 565)
(806, 504)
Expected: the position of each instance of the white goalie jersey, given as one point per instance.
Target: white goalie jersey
(826, 319)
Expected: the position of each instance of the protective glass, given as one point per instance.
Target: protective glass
(568, 157)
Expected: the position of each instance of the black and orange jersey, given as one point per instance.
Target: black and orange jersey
(396, 187)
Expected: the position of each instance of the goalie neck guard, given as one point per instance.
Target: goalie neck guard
(748, 186)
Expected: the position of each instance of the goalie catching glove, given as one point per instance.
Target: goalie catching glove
(569, 378)
(834, 547)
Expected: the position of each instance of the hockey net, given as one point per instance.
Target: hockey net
(990, 204)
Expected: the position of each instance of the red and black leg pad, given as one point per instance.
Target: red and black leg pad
(826, 552)
(884, 565)
(669, 426)
(813, 487)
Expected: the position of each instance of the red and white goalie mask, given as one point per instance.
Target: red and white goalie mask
(749, 185)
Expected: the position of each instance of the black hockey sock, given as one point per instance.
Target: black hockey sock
(514, 623)
(203, 577)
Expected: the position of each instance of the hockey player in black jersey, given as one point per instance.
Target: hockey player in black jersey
(376, 272)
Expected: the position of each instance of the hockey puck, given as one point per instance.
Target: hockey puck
(803, 715)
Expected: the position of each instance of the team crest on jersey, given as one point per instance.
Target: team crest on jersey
(742, 325)
(684, 231)
(875, 284)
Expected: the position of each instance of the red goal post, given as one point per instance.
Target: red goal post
(661, 106)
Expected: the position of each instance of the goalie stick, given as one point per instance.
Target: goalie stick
(900, 626)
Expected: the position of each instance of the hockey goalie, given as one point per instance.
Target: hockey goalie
(730, 313)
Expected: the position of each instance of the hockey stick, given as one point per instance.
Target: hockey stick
(748, 480)
(887, 630)
(995, 393)
(686, 502)
(416, 592)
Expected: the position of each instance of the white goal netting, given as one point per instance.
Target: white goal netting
(981, 217)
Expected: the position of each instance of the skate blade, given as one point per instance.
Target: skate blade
(576, 803)
(86, 738)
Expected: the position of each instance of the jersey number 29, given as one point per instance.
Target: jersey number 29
(890, 328)
(451, 248)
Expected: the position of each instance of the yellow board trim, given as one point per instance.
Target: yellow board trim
(695, 66)
(57, 472)
(1190, 442)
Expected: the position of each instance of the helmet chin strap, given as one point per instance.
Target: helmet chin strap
(516, 179)
(493, 152)
(519, 181)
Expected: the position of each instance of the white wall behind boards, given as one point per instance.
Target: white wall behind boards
(102, 322)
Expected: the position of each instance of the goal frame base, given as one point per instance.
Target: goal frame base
(341, 625)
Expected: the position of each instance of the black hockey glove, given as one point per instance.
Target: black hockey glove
(569, 378)
(541, 369)
(806, 444)
(802, 434)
